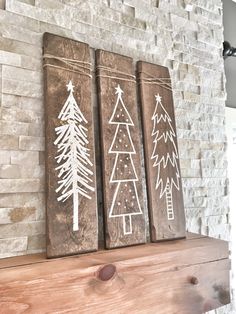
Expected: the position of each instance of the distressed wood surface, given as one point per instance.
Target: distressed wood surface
(153, 278)
(165, 197)
(123, 199)
(68, 104)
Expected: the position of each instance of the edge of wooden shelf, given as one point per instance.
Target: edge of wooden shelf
(142, 249)
(181, 276)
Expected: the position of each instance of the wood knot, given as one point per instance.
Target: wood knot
(194, 280)
(106, 272)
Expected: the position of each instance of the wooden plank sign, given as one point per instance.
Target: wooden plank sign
(167, 218)
(123, 199)
(70, 166)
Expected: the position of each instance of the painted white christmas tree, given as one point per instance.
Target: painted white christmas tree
(125, 203)
(73, 155)
(165, 155)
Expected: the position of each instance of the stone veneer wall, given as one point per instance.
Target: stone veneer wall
(166, 32)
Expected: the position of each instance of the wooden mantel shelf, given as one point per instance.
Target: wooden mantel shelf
(189, 276)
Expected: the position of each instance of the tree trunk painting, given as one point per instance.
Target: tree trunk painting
(71, 202)
(167, 158)
(123, 173)
(169, 203)
(74, 173)
(124, 210)
(165, 197)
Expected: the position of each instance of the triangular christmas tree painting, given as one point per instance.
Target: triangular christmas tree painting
(166, 162)
(125, 202)
(74, 173)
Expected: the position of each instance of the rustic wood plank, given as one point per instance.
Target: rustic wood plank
(195, 244)
(123, 199)
(16, 261)
(70, 164)
(157, 271)
(165, 197)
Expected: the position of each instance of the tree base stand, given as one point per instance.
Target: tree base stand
(182, 276)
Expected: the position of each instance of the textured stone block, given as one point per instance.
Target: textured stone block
(214, 220)
(107, 12)
(15, 114)
(9, 142)
(191, 173)
(32, 143)
(37, 129)
(37, 242)
(50, 4)
(24, 158)
(9, 172)
(23, 229)
(25, 104)
(4, 215)
(220, 231)
(5, 157)
(10, 58)
(116, 4)
(19, 74)
(13, 245)
(133, 22)
(22, 88)
(19, 214)
(16, 128)
(20, 185)
(31, 63)
(22, 214)
(128, 10)
(7, 17)
(36, 200)
(18, 47)
(21, 34)
(193, 224)
(84, 12)
(22, 171)
(31, 172)
(61, 15)
(214, 173)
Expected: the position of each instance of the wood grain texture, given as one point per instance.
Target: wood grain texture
(165, 198)
(123, 199)
(152, 278)
(62, 239)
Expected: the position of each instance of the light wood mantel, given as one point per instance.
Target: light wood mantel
(188, 276)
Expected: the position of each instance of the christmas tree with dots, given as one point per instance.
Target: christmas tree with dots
(73, 155)
(125, 203)
(165, 159)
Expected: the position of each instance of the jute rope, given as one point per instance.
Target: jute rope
(128, 77)
(77, 66)
(164, 82)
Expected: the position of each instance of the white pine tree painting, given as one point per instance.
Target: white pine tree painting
(73, 155)
(125, 203)
(165, 159)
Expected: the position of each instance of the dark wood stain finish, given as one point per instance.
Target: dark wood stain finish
(61, 239)
(155, 80)
(114, 70)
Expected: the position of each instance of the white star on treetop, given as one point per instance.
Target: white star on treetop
(70, 87)
(119, 91)
(158, 98)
